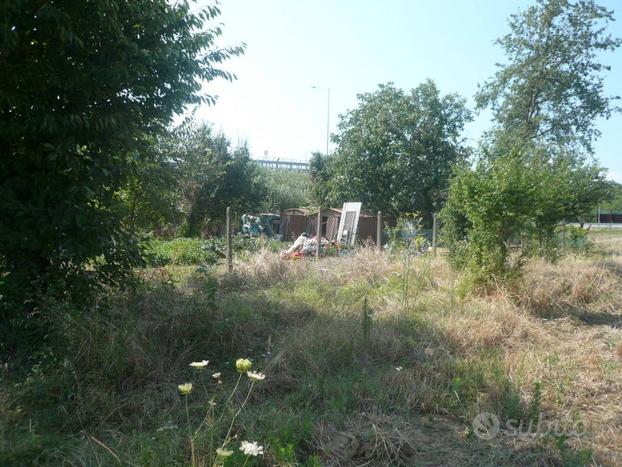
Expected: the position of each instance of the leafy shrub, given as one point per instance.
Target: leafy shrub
(575, 238)
(408, 235)
(514, 200)
(196, 251)
(285, 189)
(182, 251)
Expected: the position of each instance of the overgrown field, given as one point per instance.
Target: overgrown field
(369, 360)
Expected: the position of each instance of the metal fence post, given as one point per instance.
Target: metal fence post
(434, 229)
(318, 231)
(228, 252)
(379, 231)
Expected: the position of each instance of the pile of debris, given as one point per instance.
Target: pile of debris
(266, 223)
(305, 245)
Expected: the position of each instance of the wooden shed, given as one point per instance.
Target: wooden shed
(366, 229)
(330, 223)
(368, 221)
(294, 221)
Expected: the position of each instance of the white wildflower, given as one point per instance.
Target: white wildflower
(200, 365)
(251, 448)
(255, 376)
(216, 375)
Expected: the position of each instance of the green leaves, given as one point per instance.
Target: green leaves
(533, 172)
(209, 176)
(395, 150)
(551, 89)
(516, 198)
(85, 87)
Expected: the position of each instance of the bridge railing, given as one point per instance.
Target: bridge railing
(300, 166)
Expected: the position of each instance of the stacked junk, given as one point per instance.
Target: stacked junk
(339, 227)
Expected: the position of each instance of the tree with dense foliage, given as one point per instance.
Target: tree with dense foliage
(211, 176)
(395, 151)
(84, 87)
(614, 200)
(319, 174)
(533, 173)
(550, 92)
(515, 197)
(285, 189)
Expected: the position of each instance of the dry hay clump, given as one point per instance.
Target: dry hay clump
(490, 324)
(266, 268)
(361, 264)
(572, 286)
(370, 438)
(374, 438)
(263, 269)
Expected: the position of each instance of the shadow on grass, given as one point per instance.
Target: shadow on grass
(598, 319)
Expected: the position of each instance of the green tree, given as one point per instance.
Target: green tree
(534, 173)
(395, 151)
(84, 87)
(550, 91)
(320, 175)
(285, 189)
(515, 197)
(212, 176)
(613, 201)
(151, 194)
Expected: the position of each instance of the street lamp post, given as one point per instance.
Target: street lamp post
(327, 89)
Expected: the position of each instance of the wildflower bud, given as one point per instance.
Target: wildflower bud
(185, 389)
(243, 365)
(223, 452)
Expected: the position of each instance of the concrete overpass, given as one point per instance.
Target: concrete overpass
(281, 164)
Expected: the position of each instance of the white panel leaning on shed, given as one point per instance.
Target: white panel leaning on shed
(348, 223)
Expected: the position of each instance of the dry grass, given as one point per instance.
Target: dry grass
(574, 285)
(608, 241)
(557, 326)
(267, 268)
(401, 390)
(371, 438)
(263, 269)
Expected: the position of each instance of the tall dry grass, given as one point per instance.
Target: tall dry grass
(557, 326)
(267, 268)
(401, 390)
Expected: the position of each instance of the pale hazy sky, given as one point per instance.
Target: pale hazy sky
(353, 45)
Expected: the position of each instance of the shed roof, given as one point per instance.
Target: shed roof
(295, 212)
(325, 212)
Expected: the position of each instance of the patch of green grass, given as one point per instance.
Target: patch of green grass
(181, 251)
(197, 251)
